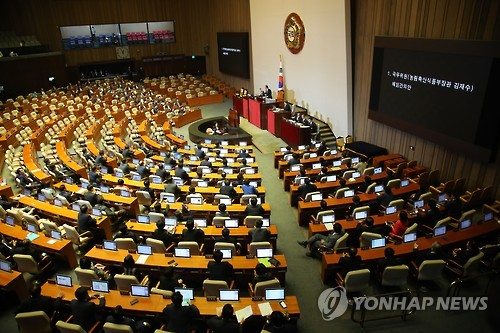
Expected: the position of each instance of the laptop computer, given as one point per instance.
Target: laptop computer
(250, 159)
(329, 218)
(139, 290)
(136, 177)
(135, 161)
(104, 170)
(316, 166)
(203, 183)
(196, 200)
(378, 189)
(313, 155)
(354, 160)
(283, 149)
(109, 245)
(317, 197)
(348, 193)
(55, 234)
(164, 196)
(31, 227)
(295, 167)
(250, 171)
(361, 215)
(376, 243)
(5, 266)
(64, 280)
(104, 189)
(229, 295)
(226, 253)
(207, 141)
(442, 198)
(228, 171)
(144, 249)
(440, 231)
(182, 252)
(119, 173)
(390, 210)
(274, 294)
(264, 253)
(75, 207)
(68, 180)
(418, 204)
(355, 175)
(465, 224)
(301, 147)
(266, 222)
(187, 293)
(58, 202)
(405, 182)
(41, 197)
(488, 217)
(410, 237)
(243, 143)
(377, 170)
(96, 212)
(225, 201)
(85, 185)
(231, 223)
(125, 193)
(224, 143)
(9, 220)
(254, 183)
(337, 163)
(100, 286)
(156, 180)
(200, 223)
(331, 178)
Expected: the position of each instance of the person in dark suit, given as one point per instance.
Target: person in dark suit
(161, 172)
(385, 197)
(388, 260)
(127, 152)
(356, 203)
(192, 234)
(364, 186)
(267, 92)
(179, 318)
(462, 254)
(350, 262)
(124, 166)
(124, 232)
(433, 254)
(88, 223)
(171, 187)
(294, 160)
(143, 170)
(227, 189)
(218, 269)
(90, 195)
(226, 238)
(199, 152)
(306, 188)
(83, 310)
(431, 215)
(118, 317)
(222, 211)
(37, 302)
(253, 208)
(93, 175)
(147, 188)
(169, 280)
(161, 234)
(23, 246)
(206, 162)
(180, 172)
(226, 323)
(363, 226)
(259, 234)
(101, 159)
(261, 274)
(279, 323)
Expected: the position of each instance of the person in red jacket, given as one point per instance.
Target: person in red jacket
(399, 228)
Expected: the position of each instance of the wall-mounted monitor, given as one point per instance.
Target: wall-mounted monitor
(233, 53)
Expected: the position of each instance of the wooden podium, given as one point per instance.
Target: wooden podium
(233, 118)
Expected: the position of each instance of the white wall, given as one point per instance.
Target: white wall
(319, 77)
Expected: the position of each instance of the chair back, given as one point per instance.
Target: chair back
(123, 282)
(423, 180)
(309, 195)
(322, 213)
(47, 193)
(394, 183)
(371, 188)
(245, 198)
(430, 270)
(143, 198)
(26, 264)
(485, 196)
(468, 215)
(225, 246)
(116, 328)
(35, 321)
(49, 225)
(218, 221)
(445, 221)
(212, 287)
(398, 203)
(3, 213)
(157, 246)
(155, 217)
(412, 228)
(348, 174)
(63, 200)
(458, 187)
(425, 196)
(341, 242)
(368, 171)
(126, 244)
(340, 192)
(252, 248)
(472, 265)
(72, 234)
(367, 237)
(357, 280)
(361, 209)
(65, 327)
(194, 248)
(251, 220)
(395, 276)
(85, 276)
(217, 198)
(85, 203)
(260, 287)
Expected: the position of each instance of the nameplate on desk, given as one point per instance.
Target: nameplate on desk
(211, 298)
(250, 256)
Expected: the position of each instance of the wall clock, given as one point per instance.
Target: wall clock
(294, 33)
(122, 52)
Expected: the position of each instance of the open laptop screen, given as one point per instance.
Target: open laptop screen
(104, 189)
(125, 193)
(58, 202)
(418, 204)
(410, 237)
(348, 193)
(196, 200)
(75, 207)
(330, 218)
(331, 178)
(225, 201)
(488, 216)
(96, 212)
(440, 231)
(143, 219)
(356, 175)
(231, 223)
(5, 266)
(170, 221)
(229, 295)
(337, 163)
(295, 167)
(226, 253)
(376, 243)
(200, 223)
(465, 224)
(405, 182)
(379, 188)
(109, 245)
(55, 234)
(377, 170)
(100, 286)
(354, 160)
(264, 253)
(187, 293)
(9, 220)
(182, 252)
(275, 294)
(31, 227)
(316, 166)
(361, 215)
(317, 197)
(139, 290)
(390, 210)
(63, 280)
(144, 249)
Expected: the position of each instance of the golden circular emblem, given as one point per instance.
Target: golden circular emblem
(294, 33)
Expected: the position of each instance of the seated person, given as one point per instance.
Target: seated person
(124, 167)
(124, 232)
(121, 185)
(462, 254)
(350, 261)
(23, 246)
(118, 317)
(363, 226)
(161, 234)
(306, 188)
(364, 186)
(183, 214)
(169, 280)
(254, 209)
(226, 238)
(259, 234)
(247, 188)
(278, 322)
(319, 241)
(225, 323)
(261, 273)
(147, 188)
(294, 160)
(387, 261)
(228, 189)
(192, 234)
(222, 211)
(431, 215)
(399, 228)
(356, 202)
(218, 269)
(385, 197)
(90, 195)
(83, 310)
(179, 318)
(37, 302)
(433, 254)
(100, 270)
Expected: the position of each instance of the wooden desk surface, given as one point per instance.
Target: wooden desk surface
(63, 247)
(33, 167)
(62, 153)
(212, 208)
(156, 303)
(451, 237)
(14, 281)
(351, 224)
(157, 260)
(6, 190)
(64, 213)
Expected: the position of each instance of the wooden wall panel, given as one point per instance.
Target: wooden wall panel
(442, 19)
(43, 18)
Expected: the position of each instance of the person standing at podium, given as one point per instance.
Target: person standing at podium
(267, 92)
